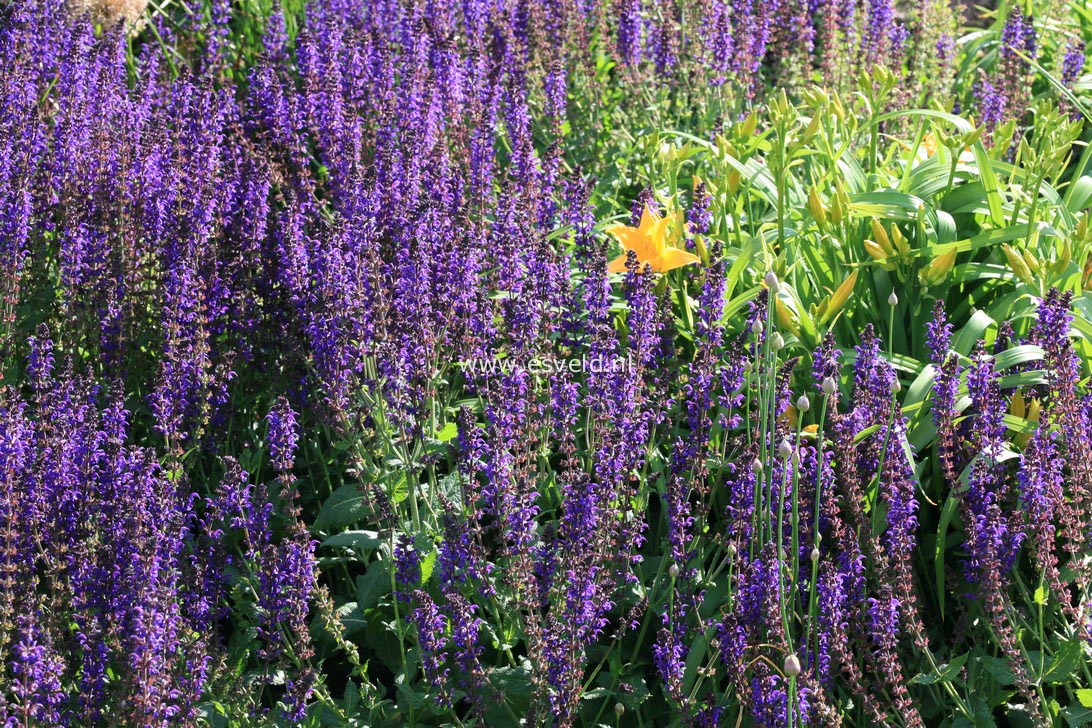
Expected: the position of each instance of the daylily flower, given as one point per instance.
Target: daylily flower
(649, 242)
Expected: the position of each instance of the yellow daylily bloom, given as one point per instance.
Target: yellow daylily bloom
(930, 143)
(649, 242)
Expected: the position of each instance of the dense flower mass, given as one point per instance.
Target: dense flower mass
(539, 362)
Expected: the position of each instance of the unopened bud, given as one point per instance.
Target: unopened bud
(896, 386)
(772, 283)
(732, 550)
(784, 449)
(756, 327)
(757, 467)
(673, 572)
(814, 555)
(893, 300)
(619, 709)
(666, 152)
(777, 341)
(829, 386)
(803, 404)
(792, 666)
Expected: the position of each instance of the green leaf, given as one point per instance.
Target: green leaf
(351, 618)
(363, 540)
(374, 583)
(449, 432)
(958, 122)
(989, 183)
(345, 506)
(946, 515)
(1079, 194)
(427, 565)
(1066, 660)
(1077, 716)
(515, 687)
(998, 668)
(972, 331)
(399, 491)
(886, 205)
(1017, 355)
(945, 673)
(1084, 696)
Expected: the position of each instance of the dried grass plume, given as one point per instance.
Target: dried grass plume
(110, 12)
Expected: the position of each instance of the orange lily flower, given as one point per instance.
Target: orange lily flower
(930, 142)
(649, 242)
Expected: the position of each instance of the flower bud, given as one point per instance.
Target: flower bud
(815, 205)
(756, 327)
(619, 709)
(792, 666)
(784, 449)
(829, 386)
(795, 457)
(673, 572)
(772, 283)
(777, 342)
(814, 555)
(938, 269)
(666, 152)
(732, 550)
(895, 387)
(803, 404)
(757, 467)
(893, 300)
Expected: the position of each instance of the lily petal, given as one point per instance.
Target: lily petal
(618, 265)
(674, 258)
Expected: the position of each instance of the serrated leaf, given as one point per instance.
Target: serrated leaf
(1077, 716)
(1066, 660)
(998, 668)
(363, 540)
(944, 673)
(345, 506)
(374, 583)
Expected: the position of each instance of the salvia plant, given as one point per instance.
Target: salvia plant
(545, 362)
